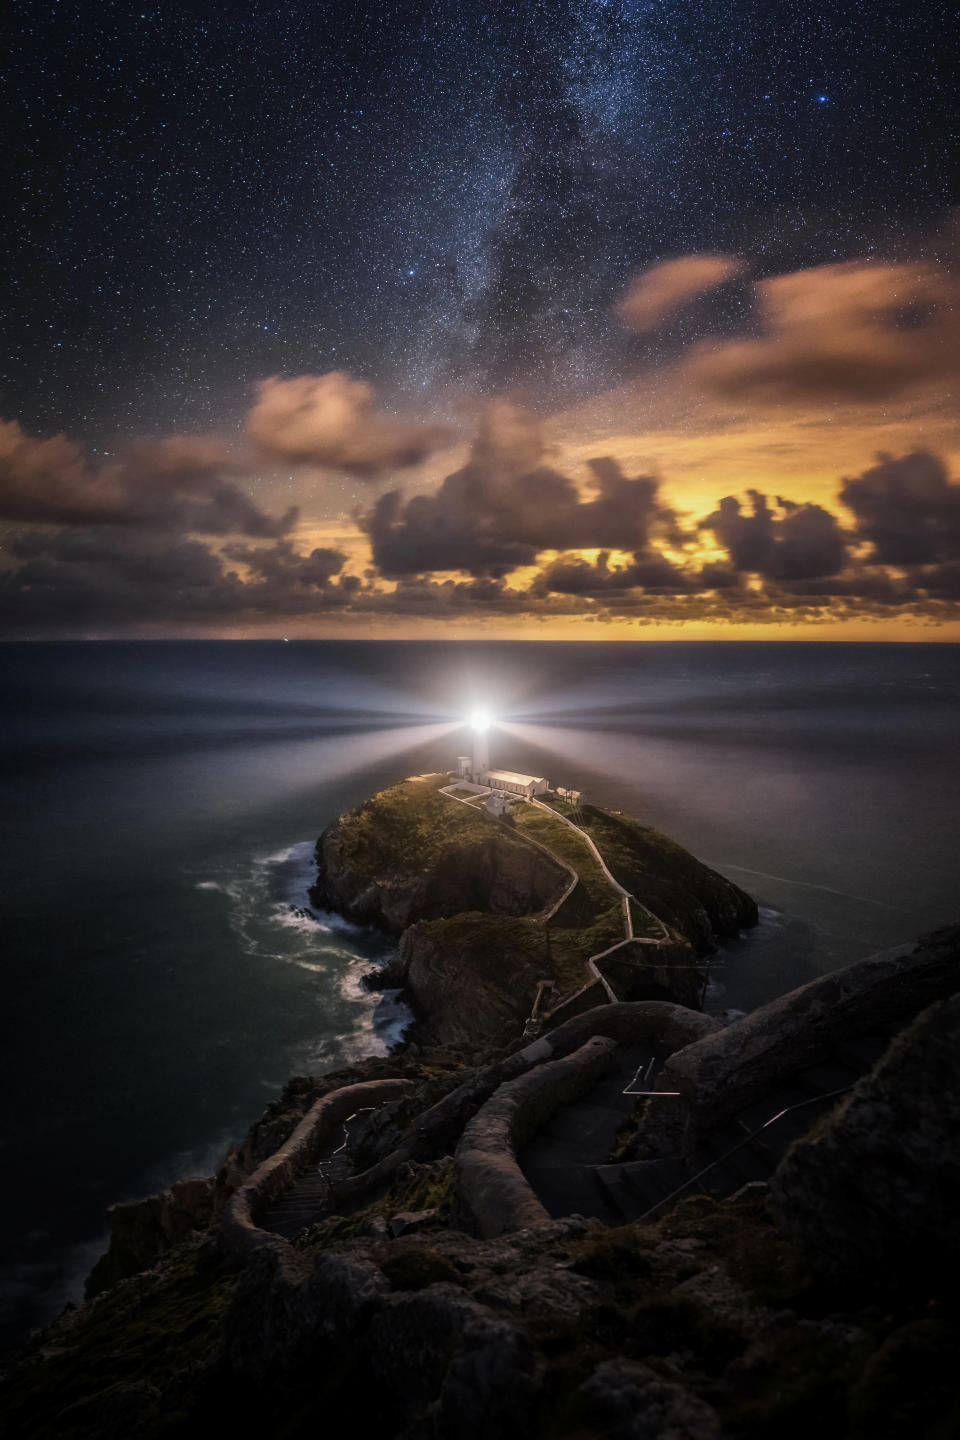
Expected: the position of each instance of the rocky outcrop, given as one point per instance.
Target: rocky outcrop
(486, 913)
(703, 1326)
(633, 1402)
(142, 1231)
(396, 1321)
(872, 1195)
(471, 980)
(725, 1072)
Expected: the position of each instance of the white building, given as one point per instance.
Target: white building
(497, 803)
(515, 784)
(475, 769)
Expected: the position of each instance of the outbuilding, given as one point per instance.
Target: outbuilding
(515, 784)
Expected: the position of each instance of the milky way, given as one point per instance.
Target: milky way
(438, 198)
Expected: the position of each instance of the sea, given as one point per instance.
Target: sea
(163, 970)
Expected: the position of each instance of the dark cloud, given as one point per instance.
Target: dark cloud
(112, 575)
(855, 331)
(505, 506)
(907, 508)
(651, 572)
(795, 542)
(179, 484)
(329, 420)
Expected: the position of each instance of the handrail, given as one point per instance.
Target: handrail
(814, 1100)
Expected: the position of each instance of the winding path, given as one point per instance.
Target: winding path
(626, 898)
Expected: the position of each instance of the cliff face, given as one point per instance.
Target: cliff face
(472, 980)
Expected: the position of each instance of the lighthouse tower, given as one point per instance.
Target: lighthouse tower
(481, 745)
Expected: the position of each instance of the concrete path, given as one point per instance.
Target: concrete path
(559, 1161)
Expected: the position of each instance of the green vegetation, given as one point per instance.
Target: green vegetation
(663, 876)
(139, 1331)
(408, 828)
(430, 1188)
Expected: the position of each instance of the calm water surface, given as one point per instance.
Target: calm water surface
(161, 978)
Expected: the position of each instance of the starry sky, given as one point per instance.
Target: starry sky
(556, 318)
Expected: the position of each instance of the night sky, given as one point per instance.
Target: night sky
(554, 319)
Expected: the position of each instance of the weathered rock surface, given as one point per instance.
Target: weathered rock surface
(726, 1071)
(471, 984)
(633, 1402)
(141, 1231)
(872, 1195)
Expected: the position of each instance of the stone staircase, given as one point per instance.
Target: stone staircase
(748, 1148)
(299, 1208)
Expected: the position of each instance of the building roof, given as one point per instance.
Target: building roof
(515, 778)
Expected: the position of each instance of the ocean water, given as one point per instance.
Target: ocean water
(163, 974)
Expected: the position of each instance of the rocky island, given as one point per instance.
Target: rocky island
(489, 911)
(572, 1204)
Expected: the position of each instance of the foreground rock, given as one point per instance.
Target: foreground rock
(705, 1326)
(874, 1192)
(738, 1319)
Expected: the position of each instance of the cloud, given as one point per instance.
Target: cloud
(899, 554)
(854, 331)
(657, 294)
(505, 506)
(177, 484)
(108, 574)
(796, 542)
(652, 572)
(329, 420)
(907, 508)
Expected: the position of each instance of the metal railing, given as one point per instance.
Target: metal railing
(694, 1179)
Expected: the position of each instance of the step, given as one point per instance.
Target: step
(721, 1181)
(614, 1191)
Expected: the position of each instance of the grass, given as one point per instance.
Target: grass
(428, 1189)
(141, 1330)
(661, 874)
(568, 845)
(408, 828)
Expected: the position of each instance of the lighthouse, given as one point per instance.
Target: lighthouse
(480, 721)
